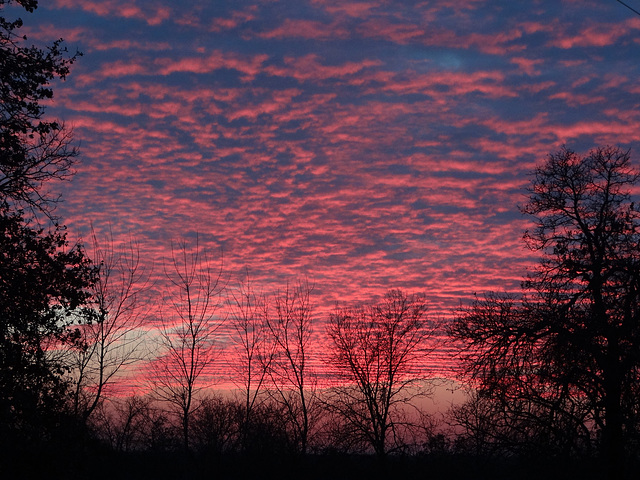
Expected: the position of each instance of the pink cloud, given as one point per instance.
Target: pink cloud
(124, 44)
(308, 29)
(248, 65)
(606, 132)
(401, 33)
(352, 9)
(404, 32)
(596, 35)
(151, 14)
(490, 83)
(121, 68)
(576, 99)
(310, 68)
(527, 65)
(236, 19)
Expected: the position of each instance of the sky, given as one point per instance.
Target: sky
(362, 145)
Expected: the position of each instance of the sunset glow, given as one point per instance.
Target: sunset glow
(363, 146)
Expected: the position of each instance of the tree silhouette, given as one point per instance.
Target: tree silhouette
(43, 283)
(124, 423)
(374, 349)
(32, 150)
(110, 333)
(187, 333)
(571, 346)
(290, 325)
(253, 349)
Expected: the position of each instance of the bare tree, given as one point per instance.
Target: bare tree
(125, 423)
(375, 349)
(290, 326)
(254, 349)
(217, 425)
(111, 339)
(188, 324)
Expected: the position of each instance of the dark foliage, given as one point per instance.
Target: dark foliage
(42, 284)
(559, 367)
(32, 150)
(43, 281)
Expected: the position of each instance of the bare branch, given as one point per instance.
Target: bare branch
(113, 335)
(189, 324)
(375, 349)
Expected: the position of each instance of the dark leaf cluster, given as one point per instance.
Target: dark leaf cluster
(43, 283)
(33, 150)
(561, 363)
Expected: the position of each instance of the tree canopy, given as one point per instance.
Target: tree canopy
(42, 284)
(33, 150)
(44, 281)
(563, 361)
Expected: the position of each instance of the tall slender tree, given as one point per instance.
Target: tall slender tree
(290, 325)
(253, 347)
(44, 281)
(111, 332)
(188, 327)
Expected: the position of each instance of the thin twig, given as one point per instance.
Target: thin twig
(629, 7)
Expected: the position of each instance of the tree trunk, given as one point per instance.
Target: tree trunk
(185, 430)
(612, 435)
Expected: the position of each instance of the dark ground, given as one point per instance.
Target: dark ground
(97, 464)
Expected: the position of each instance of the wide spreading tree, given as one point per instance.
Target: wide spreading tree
(561, 364)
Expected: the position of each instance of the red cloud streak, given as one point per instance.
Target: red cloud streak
(361, 145)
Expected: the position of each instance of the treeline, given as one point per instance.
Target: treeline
(552, 373)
